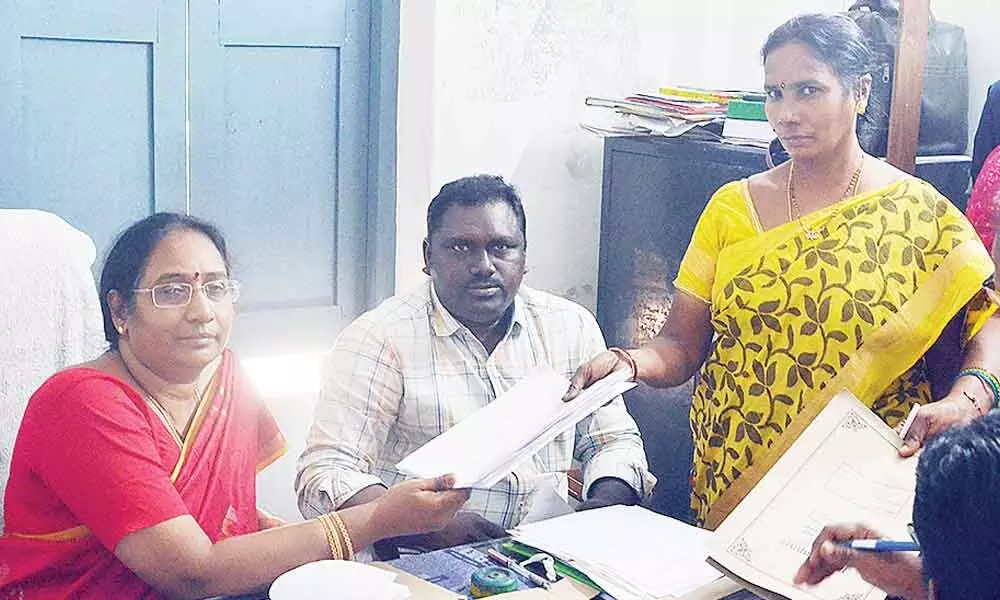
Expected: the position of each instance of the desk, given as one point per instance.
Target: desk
(452, 568)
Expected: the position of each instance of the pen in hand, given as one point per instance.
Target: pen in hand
(882, 546)
(513, 565)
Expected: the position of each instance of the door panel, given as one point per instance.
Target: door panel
(85, 90)
(278, 176)
(109, 20)
(87, 132)
(298, 23)
(278, 155)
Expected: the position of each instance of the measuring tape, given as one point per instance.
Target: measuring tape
(488, 581)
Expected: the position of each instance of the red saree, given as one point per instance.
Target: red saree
(94, 462)
(984, 204)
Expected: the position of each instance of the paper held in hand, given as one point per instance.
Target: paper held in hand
(843, 468)
(483, 448)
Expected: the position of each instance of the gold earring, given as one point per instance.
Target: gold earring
(861, 108)
(121, 329)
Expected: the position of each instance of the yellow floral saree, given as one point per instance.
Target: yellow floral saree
(796, 320)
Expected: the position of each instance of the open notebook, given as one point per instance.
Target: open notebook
(483, 448)
(843, 468)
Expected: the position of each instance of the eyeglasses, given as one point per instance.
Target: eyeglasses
(178, 294)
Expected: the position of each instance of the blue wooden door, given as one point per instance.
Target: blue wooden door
(279, 147)
(255, 114)
(92, 110)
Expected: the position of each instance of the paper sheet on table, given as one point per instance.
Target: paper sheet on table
(631, 552)
(844, 467)
(419, 588)
(341, 579)
(483, 448)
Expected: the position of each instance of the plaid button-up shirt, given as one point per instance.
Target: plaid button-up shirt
(408, 370)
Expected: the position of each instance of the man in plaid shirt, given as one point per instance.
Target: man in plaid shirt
(422, 361)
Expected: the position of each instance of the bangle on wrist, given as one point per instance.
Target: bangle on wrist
(624, 355)
(989, 381)
(330, 533)
(345, 537)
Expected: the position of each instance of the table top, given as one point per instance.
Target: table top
(452, 568)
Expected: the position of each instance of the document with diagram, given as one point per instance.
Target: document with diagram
(843, 468)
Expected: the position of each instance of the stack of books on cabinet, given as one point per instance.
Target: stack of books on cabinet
(746, 123)
(670, 111)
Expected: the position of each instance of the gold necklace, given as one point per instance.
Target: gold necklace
(178, 434)
(795, 212)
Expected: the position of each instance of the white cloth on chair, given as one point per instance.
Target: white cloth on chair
(49, 312)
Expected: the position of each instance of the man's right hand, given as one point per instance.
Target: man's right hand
(593, 370)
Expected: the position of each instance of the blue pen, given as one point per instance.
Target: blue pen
(882, 546)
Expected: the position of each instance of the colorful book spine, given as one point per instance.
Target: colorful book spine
(696, 94)
(746, 110)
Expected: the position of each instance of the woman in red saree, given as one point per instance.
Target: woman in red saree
(133, 476)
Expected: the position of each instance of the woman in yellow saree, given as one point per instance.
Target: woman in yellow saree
(834, 270)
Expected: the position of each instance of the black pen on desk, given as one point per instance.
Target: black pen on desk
(882, 546)
(513, 565)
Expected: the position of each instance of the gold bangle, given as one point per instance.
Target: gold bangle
(344, 536)
(624, 355)
(331, 537)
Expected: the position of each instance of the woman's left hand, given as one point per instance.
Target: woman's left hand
(954, 409)
(266, 520)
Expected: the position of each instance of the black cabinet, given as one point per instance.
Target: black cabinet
(654, 190)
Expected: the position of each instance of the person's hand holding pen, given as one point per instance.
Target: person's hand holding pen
(896, 573)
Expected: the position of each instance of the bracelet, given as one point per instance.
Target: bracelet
(624, 355)
(331, 536)
(345, 537)
(989, 380)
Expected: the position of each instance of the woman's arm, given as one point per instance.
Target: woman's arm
(676, 353)
(178, 559)
(669, 359)
(969, 397)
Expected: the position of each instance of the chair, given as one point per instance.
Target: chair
(49, 312)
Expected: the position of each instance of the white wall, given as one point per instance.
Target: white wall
(498, 86)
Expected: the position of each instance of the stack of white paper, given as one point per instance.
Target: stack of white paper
(482, 449)
(341, 579)
(631, 552)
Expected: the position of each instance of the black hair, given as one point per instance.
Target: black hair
(126, 261)
(956, 513)
(835, 39)
(476, 190)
